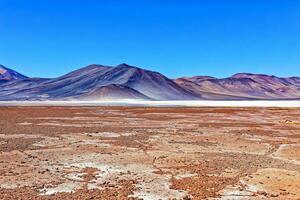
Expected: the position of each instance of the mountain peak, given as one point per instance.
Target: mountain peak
(125, 65)
(249, 75)
(9, 74)
(2, 69)
(96, 65)
(242, 75)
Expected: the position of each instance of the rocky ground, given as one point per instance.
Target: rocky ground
(149, 153)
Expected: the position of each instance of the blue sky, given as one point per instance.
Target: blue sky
(177, 38)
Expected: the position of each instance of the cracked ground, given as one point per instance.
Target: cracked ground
(149, 153)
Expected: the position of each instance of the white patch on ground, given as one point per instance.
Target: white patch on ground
(74, 176)
(67, 125)
(106, 173)
(253, 137)
(236, 193)
(104, 134)
(150, 185)
(3, 142)
(200, 103)
(283, 147)
(185, 175)
(10, 185)
(69, 118)
(92, 186)
(84, 165)
(48, 141)
(19, 136)
(24, 123)
(64, 187)
(157, 188)
(93, 142)
(128, 134)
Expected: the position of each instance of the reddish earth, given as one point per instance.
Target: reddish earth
(149, 153)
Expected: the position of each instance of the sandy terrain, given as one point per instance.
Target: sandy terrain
(52, 152)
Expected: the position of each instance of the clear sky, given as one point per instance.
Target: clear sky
(175, 37)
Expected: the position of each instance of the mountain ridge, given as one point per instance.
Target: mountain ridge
(96, 82)
(247, 85)
(139, 83)
(7, 74)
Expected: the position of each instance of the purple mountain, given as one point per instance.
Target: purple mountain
(243, 86)
(98, 82)
(7, 74)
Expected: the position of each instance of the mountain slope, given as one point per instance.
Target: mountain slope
(151, 84)
(112, 92)
(244, 86)
(7, 74)
(17, 86)
(210, 92)
(85, 81)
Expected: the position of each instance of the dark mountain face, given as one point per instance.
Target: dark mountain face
(151, 84)
(7, 74)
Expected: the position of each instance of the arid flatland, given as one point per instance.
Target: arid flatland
(149, 153)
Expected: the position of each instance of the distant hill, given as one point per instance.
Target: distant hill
(100, 82)
(243, 86)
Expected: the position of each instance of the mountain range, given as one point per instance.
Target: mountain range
(100, 82)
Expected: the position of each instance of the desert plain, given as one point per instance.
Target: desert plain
(151, 153)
